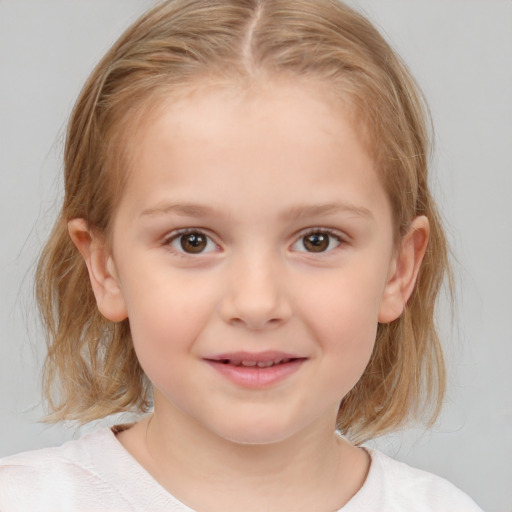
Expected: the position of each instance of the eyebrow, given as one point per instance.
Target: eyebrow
(295, 213)
(183, 209)
(299, 212)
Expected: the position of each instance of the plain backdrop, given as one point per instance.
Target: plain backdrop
(461, 53)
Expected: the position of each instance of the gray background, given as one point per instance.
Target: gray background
(461, 53)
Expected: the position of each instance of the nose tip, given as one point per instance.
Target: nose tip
(256, 299)
(256, 320)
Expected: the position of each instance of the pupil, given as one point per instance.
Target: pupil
(193, 243)
(317, 242)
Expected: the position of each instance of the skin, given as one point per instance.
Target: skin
(254, 173)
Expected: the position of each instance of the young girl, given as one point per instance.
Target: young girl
(248, 249)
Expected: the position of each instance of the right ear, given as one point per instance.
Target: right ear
(102, 271)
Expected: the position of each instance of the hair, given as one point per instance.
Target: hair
(91, 369)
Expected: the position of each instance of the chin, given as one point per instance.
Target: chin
(256, 433)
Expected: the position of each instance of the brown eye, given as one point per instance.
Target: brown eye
(316, 242)
(193, 243)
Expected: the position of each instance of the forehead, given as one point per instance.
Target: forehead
(253, 142)
(192, 100)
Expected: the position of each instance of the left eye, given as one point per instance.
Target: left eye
(317, 241)
(194, 242)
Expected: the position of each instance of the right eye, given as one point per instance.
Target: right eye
(192, 242)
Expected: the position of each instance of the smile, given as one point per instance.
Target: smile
(258, 370)
(259, 364)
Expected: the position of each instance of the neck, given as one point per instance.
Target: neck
(209, 473)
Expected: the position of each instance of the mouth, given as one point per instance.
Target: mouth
(266, 359)
(251, 363)
(255, 370)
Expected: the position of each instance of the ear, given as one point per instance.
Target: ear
(102, 270)
(404, 270)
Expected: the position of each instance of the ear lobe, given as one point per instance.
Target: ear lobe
(404, 270)
(102, 270)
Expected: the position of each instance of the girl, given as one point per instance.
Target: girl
(248, 249)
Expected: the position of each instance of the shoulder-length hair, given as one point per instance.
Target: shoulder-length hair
(91, 369)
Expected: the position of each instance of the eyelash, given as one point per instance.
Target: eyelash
(176, 236)
(331, 233)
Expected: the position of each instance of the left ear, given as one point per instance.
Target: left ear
(404, 270)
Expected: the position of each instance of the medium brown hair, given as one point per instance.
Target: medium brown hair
(91, 369)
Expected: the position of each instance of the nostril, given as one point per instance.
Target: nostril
(254, 323)
(255, 307)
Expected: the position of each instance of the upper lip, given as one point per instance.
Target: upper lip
(256, 357)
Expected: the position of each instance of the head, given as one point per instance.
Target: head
(194, 45)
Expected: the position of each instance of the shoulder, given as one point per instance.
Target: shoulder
(397, 487)
(60, 478)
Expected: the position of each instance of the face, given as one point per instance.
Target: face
(253, 250)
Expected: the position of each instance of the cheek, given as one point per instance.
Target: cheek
(342, 315)
(347, 333)
(163, 337)
(346, 302)
(348, 345)
(166, 317)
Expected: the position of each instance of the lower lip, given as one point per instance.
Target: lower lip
(254, 376)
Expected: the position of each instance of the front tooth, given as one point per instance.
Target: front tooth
(265, 364)
(249, 363)
(278, 361)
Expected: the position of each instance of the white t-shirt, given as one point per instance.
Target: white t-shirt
(96, 473)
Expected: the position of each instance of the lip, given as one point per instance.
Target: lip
(255, 369)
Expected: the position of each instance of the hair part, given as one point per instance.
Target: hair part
(91, 369)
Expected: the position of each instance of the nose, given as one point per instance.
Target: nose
(256, 294)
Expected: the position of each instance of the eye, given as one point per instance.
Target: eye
(317, 241)
(192, 242)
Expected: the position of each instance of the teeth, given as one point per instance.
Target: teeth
(252, 364)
